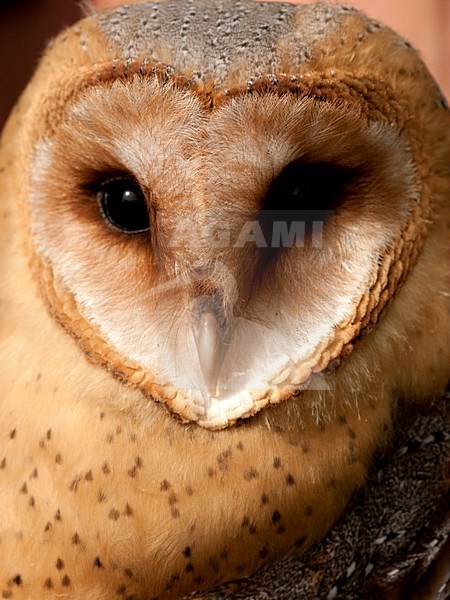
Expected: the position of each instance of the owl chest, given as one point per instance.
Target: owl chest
(103, 499)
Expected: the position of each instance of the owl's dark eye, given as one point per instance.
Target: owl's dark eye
(123, 206)
(304, 194)
(308, 187)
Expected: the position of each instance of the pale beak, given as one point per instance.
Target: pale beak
(213, 340)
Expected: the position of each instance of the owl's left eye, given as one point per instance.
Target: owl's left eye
(123, 206)
(304, 186)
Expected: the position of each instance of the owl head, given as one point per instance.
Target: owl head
(218, 219)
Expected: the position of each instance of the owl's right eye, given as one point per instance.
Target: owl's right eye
(123, 206)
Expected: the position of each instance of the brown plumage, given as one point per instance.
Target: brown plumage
(216, 392)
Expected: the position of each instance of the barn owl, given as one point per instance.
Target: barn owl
(223, 260)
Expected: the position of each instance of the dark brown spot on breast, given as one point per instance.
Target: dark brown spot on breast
(305, 448)
(172, 499)
(250, 474)
(48, 583)
(6, 594)
(48, 526)
(190, 567)
(12, 434)
(187, 551)
(98, 563)
(128, 573)
(58, 458)
(263, 552)
(276, 517)
(211, 472)
(300, 542)
(59, 564)
(264, 499)
(24, 489)
(58, 516)
(49, 434)
(121, 590)
(32, 502)
(76, 538)
(74, 485)
(308, 511)
(3, 463)
(290, 479)
(246, 522)
(88, 476)
(240, 446)
(114, 514)
(65, 581)
(223, 457)
(175, 512)
(106, 468)
(16, 580)
(189, 490)
(351, 433)
(165, 485)
(101, 496)
(34, 474)
(277, 462)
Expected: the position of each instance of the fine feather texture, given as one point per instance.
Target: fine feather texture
(105, 492)
(145, 310)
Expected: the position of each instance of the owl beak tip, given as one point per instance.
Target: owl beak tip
(212, 344)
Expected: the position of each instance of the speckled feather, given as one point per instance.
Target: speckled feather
(389, 541)
(219, 36)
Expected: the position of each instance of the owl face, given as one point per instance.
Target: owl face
(220, 242)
